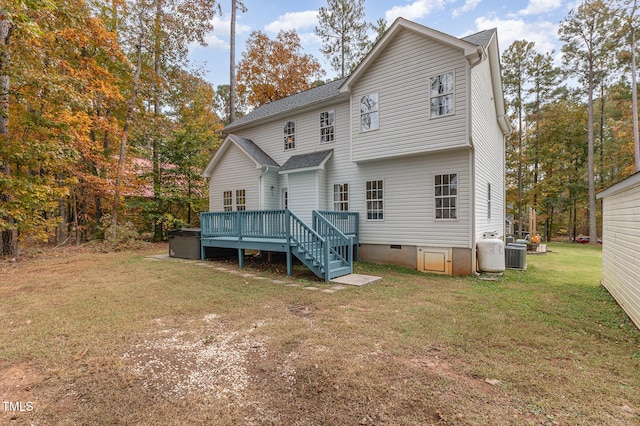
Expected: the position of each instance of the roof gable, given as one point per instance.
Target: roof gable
(471, 50)
(303, 162)
(248, 147)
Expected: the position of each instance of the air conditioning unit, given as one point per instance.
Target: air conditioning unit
(515, 256)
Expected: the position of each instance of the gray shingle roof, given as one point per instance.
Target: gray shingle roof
(254, 151)
(316, 94)
(303, 161)
(482, 38)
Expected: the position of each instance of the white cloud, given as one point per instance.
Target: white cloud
(469, 5)
(416, 10)
(293, 21)
(222, 25)
(542, 33)
(216, 42)
(536, 7)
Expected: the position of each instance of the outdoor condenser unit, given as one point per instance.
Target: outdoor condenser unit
(515, 256)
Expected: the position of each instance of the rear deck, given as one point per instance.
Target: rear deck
(328, 247)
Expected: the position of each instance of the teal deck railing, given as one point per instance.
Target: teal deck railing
(323, 248)
(346, 222)
(264, 224)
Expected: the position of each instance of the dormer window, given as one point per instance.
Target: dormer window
(289, 135)
(441, 95)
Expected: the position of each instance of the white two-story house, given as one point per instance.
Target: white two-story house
(413, 141)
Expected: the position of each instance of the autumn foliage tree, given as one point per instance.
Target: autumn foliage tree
(273, 69)
(70, 74)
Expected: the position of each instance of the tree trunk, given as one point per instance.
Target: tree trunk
(123, 142)
(232, 64)
(8, 240)
(634, 90)
(520, 173)
(593, 229)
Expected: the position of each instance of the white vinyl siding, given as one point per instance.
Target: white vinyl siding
(621, 248)
(408, 198)
(234, 171)
(270, 191)
(401, 78)
(303, 194)
(268, 136)
(488, 155)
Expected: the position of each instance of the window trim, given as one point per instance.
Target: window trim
(332, 126)
(452, 93)
(380, 211)
(241, 195)
(289, 138)
(227, 201)
(342, 202)
(376, 110)
(448, 197)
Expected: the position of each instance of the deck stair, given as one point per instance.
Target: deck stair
(322, 247)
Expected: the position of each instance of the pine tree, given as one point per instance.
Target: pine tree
(343, 31)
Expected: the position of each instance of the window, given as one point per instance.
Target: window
(227, 201)
(341, 197)
(488, 201)
(241, 200)
(290, 135)
(327, 133)
(441, 95)
(446, 187)
(375, 200)
(369, 113)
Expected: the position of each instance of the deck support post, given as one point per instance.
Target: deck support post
(241, 258)
(289, 261)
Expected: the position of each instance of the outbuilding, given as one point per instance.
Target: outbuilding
(621, 244)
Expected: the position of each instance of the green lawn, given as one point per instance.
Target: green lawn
(120, 339)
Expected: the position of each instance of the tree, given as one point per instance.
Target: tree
(235, 5)
(59, 61)
(380, 27)
(629, 27)
(274, 69)
(517, 60)
(157, 35)
(563, 165)
(589, 41)
(344, 33)
(545, 88)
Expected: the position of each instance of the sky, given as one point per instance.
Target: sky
(531, 20)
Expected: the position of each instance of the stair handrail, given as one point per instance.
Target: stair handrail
(340, 244)
(310, 239)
